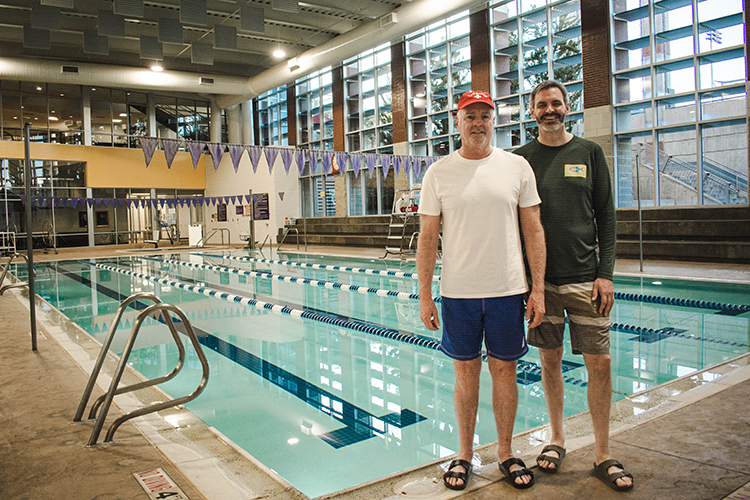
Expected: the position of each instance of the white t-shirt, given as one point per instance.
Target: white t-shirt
(479, 200)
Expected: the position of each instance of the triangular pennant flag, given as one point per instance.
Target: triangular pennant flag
(356, 159)
(370, 159)
(90, 202)
(271, 154)
(107, 201)
(75, 201)
(299, 157)
(286, 158)
(406, 162)
(217, 151)
(312, 154)
(396, 164)
(385, 160)
(417, 165)
(429, 160)
(341, 158)
(148, 144)
(196, 150)
(326, 157)
(281, 195)
(235, 152)
(170, 149)
(23, 201)
(254, 153)
(248, 199)
(129, 202)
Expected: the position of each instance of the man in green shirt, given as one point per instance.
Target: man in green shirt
(578, 216)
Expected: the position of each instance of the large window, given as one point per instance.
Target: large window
(315, 131)
(533, 42)
(272, 115)
(438, 70)
(369, 128)
(680, 102)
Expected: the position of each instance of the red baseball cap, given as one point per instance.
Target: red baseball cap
(474, 96)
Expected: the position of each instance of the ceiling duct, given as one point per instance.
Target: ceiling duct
(411, 17)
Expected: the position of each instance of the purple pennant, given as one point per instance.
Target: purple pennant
(286, 158)
(406, 162)
(299, 157)
(396, 164)
(148, 144)
(129, 202)
(254, 153)
(75, 202)
(90, 202)
(217, 151)
(356, 159)
(107, 201)
(341, 158)
(312, 155)
(23, 201)
(370, 159)
(170, 149)
(429, 160)
(417, 165)
(235, 152)
(271, 154)
(385, 160)
(98, 202)
(248, 199)
(196, 150)
(56, 201)
(326, 157)
(281, 195)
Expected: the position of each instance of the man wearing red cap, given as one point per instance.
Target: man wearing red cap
(579, 218)
(480, 192)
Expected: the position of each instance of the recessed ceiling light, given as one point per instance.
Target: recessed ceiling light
(39, 88)
(116, 120)
(123, 114)
(53, 118)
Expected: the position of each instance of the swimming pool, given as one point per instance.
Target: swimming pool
(327, 376)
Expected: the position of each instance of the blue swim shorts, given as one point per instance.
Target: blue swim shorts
(497, 320)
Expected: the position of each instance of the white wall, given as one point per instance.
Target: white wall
(225, 182)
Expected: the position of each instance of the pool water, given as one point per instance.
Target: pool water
(337, 383)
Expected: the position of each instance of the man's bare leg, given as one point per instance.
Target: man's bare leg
(465, 404)
(600, 400)
(554, 396)
(505, 404)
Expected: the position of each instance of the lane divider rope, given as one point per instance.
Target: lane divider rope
(379, 331)
(324, 267)
(656, 299)
(639, 330)
(293, 279)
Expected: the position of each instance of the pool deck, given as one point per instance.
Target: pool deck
(688, 439)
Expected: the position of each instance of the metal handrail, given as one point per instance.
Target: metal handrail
(202, 242)
(286, 232)
(105, 401)
(5, 271)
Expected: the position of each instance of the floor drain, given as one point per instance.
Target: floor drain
(420, 488)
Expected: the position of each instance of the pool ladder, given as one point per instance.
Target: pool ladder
(159, 310)
(3, 288)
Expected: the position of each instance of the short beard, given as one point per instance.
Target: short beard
(547, 127)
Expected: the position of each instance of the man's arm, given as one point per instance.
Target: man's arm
(426, 256)
(606, 224)
(536, 254)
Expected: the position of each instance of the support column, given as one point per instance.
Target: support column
(215, 127)
(234, 125)
(479, 40)
(153, 129)
(247, 122)
(86, 101)
(339, 136)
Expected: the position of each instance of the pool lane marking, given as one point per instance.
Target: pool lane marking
(380, 331)
(360, 424)
(293, 279)
(323, 267)
(653, 335)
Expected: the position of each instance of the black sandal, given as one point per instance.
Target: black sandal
(610, 479)
(557, 461)
(512, 476)
(464, 476)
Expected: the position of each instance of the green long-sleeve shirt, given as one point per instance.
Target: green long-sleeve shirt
(577, 210)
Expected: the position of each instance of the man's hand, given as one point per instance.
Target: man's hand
(535, 307)
(428, 313)
(605, 291)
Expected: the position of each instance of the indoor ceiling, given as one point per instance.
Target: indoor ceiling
(222, 37)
